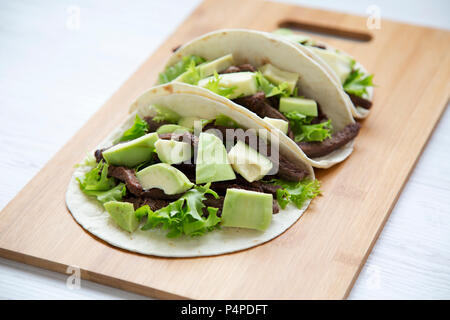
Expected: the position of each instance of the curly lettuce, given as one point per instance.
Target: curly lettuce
(184, 216)
(178, 68)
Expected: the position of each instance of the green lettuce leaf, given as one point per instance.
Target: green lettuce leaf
(178, 68)
(214, 86)
(185, 215)
(314, 132)
(192, 74)
(357, 82)
(97, 184)
(305, 131)
(138, 129)
(296, 193)
(270, 89)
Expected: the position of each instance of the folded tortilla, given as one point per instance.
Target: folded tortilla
(259, 48)
(357, 111)
(187, 101)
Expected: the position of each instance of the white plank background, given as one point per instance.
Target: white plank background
(61, 60)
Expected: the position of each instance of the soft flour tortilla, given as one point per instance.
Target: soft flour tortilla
(259, 48)
(186, 100)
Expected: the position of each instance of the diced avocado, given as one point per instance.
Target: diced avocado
(280, 124)
(133, 152)
(172, 128)
(277, 76)
(341, 64)
(288, 34)
(212, 161)
(173, 152)
(165, 177)
(244, 83)
(123, 214)
(307, 107)
(248, 162)
(166, 113)
(247, 209)
(208, 68)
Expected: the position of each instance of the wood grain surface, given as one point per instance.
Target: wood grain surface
(321, 255)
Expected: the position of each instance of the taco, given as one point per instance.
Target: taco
(346, 71)
(276, 80)
(190, 173)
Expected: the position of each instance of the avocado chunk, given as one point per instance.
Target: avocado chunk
(280, 124)
(247, 209)
(306, 107)
(172, 128)
(208, 68)
(123, 214)
(277, 76)
(248, 162)
(212, 161)
(341, 64)
(288, 34)
(244, 83)
(165, 177)
(173, 152)
(133, 152)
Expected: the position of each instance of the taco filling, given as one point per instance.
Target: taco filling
(354, 79)
(269, 92)
(190, 176)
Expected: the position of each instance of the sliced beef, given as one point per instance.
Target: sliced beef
(154, 204)
(320, 46)
(360, 102)
(99, 154)
(275, 207)
(128, 176)
(258, 104)
(213, 202)
(240, 68)
(174, 49)
(240, 183)
(154, 125)
(339, 139)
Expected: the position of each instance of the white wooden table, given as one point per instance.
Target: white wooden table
(60, 61)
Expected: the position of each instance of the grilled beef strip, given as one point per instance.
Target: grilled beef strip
(240, 68)
(360, 102)
(154, 125)
(339, 139)
(128, 176)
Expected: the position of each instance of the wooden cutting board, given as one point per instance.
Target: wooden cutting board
(322, 254)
